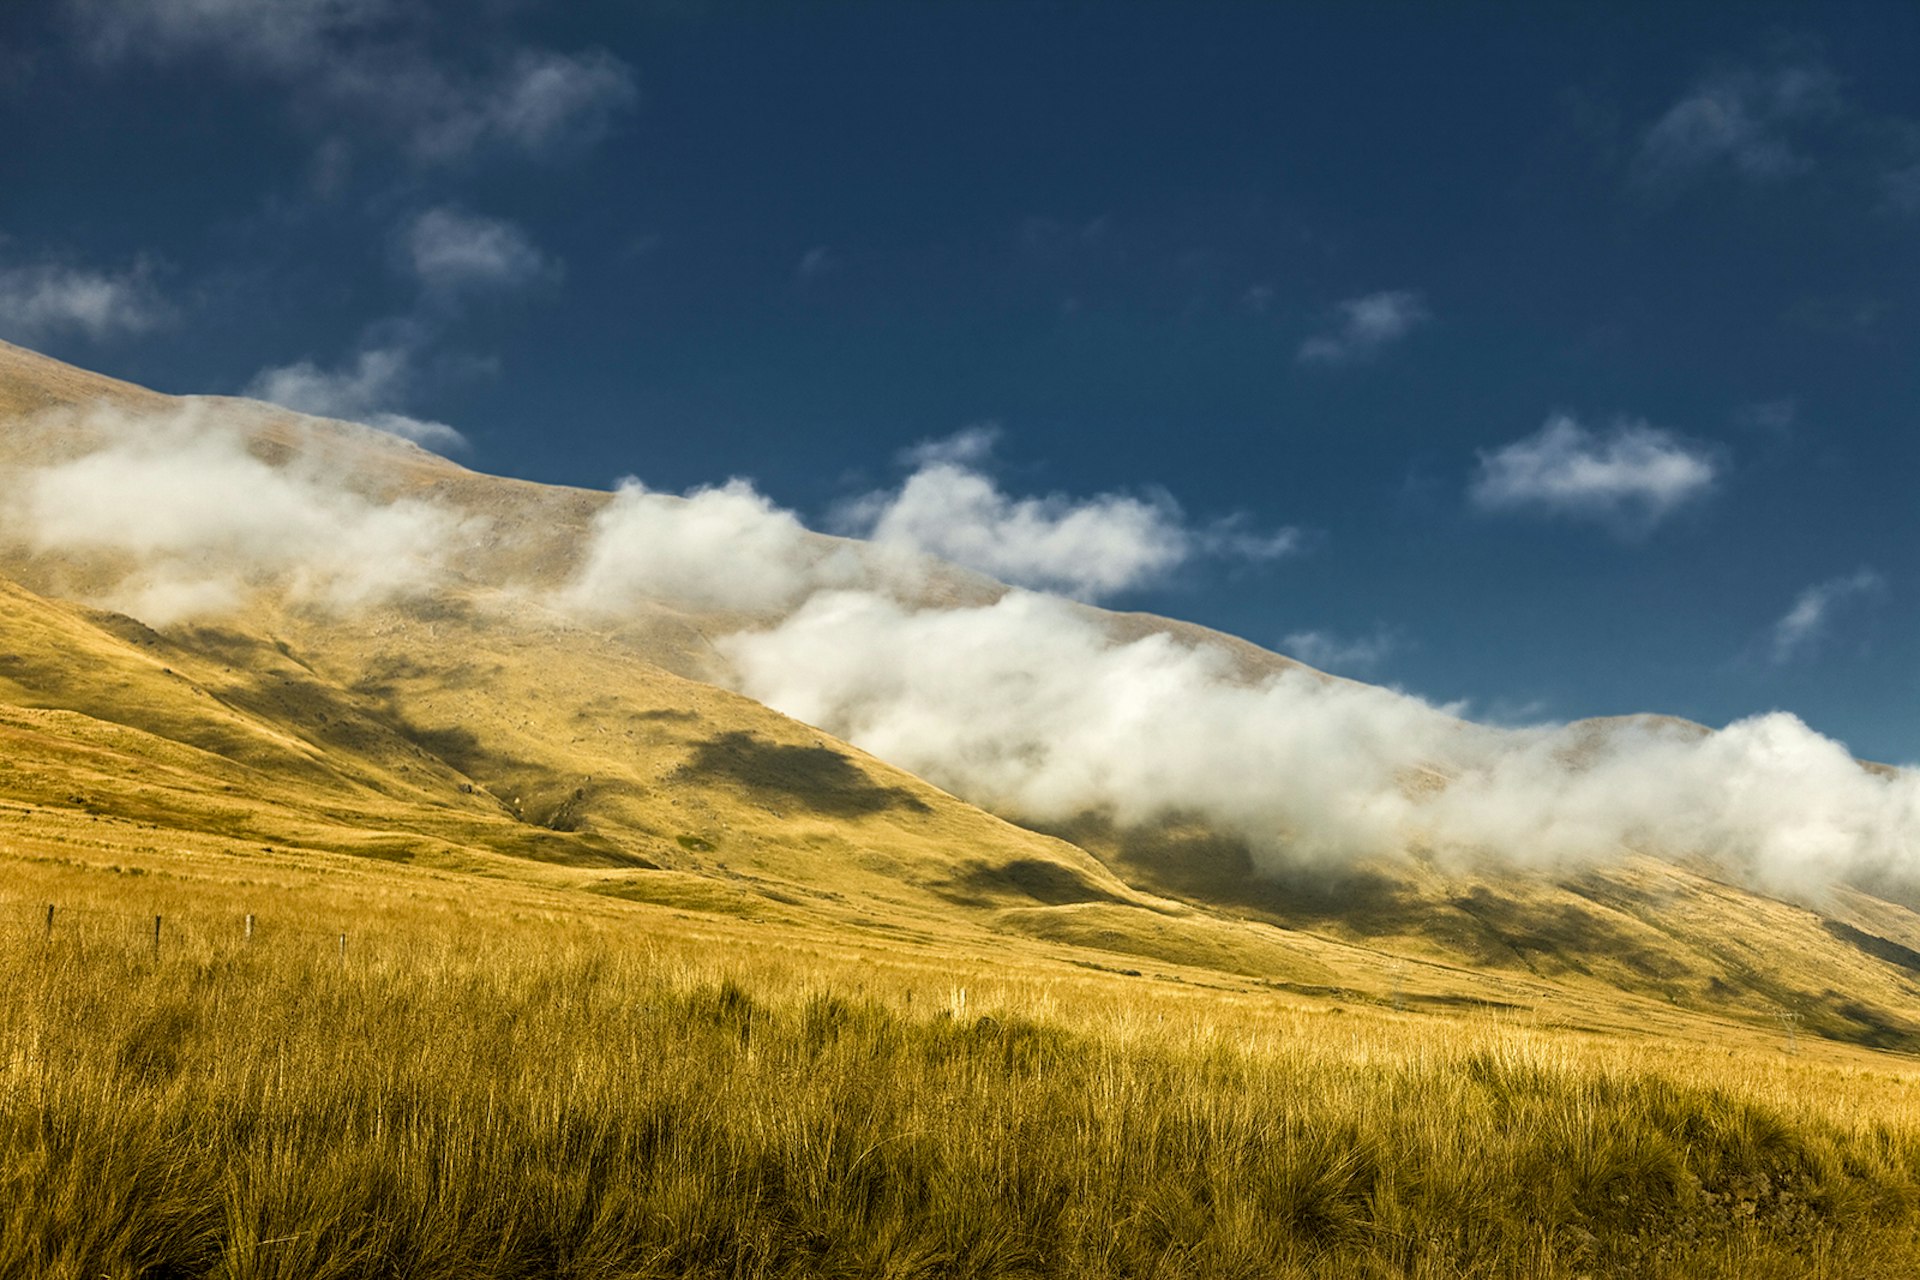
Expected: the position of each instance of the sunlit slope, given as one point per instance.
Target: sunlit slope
(32, 383)
(556, 747)
(477, 725)
(1844, 965)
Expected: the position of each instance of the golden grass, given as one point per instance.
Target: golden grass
(642, 979)
(508, 1079)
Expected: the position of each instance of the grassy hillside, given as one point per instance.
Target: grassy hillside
(501, 1077)
(566, 961)
(477, 723)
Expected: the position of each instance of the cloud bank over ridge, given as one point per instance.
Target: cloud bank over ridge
(172, 519)
(1022, 701)
(1028, 707)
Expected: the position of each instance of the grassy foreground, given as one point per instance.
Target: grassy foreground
(531, 1097)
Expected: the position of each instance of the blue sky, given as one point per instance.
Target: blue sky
(1558, 361)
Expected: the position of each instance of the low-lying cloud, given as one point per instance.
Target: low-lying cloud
(1029, 707)
(951, 509)
(215, 524)
(724, 548)
(1345, 655)
(1024, 702)
(364, 390)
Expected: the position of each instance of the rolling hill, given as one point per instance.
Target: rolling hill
(427, 688)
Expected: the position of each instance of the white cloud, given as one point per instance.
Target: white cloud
(730, 548)
(1084, 547)
(1799, 632)
(1740, 121)
(1632, 475)
(1364, 326)
(372, 62)
(548, 99)
(1343, 654)
(1028, 707)
(43, 300)
(968, 447)
(362, 391)
(453, 252)
(716, 548)
(1777, 803)
(216, 523)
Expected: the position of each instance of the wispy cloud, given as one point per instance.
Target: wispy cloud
(1740, 121)
(815, 264)
(1060, 238)
(364, 390)
(1346, 655)
(1631, 475)
(1772, 417)
(1363, 326)
(454, 253)
(1799, 633)
(50, 299)
(1900, 187)
(372, 62)
(1084, 547)
(968, 447)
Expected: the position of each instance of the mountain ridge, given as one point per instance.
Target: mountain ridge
(463, 723)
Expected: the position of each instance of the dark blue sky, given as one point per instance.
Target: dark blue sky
(1339, 267)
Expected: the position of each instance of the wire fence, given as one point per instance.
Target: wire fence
(163, 932)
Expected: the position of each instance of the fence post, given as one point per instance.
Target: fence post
(49, 922)
(343, 948)
(156, 937)
(249, 926)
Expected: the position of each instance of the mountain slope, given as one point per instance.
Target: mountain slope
(473, 722)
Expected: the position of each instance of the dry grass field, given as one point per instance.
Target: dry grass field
(566, 961)
(505, 1076)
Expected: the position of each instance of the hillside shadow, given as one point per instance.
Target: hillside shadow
(1882, 949)
(1204, 866)
(366, 721)
(816, 778)
(1048, 883)
(1552, 935)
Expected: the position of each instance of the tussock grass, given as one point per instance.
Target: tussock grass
(522, 1099)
